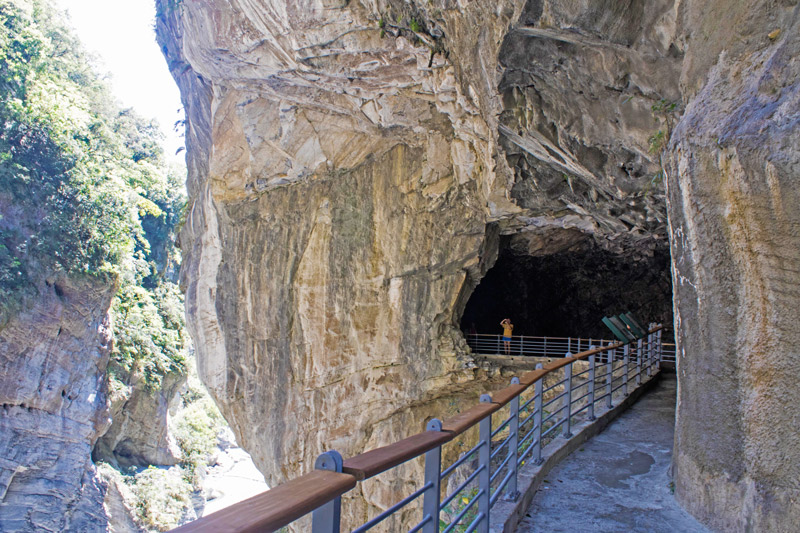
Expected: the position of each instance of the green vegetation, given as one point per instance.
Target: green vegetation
(665, 113)
(452, 510)
(77, 174)
(84, 192)
(196, 427)
(160, 497)
(149, 334)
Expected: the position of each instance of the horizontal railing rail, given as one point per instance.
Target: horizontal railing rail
(668, 352)
(571, 394)
(524, 345)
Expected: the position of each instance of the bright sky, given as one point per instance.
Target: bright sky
(121, 34)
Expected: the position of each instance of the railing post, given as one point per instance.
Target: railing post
(484, 463)
(626, 353)
(610, 377)
(568, 398)
(327, 518)
(511, 492)
(545, 347)
(432, 495)
(638, 367)
(569, 344)
(659, 348)
(591, 387)
(521, 344)
(499, 340)
(537, 419)
(647, 361)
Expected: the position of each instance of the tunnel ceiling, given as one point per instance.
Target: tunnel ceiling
(589, 161)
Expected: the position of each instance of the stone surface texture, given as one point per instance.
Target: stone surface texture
(354, 165)
(619, 480)
(53, 359)
(139, 433)
(733, 182)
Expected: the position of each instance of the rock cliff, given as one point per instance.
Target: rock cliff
(354, 166)
(54, 407)
(735, 234)
(139, 434)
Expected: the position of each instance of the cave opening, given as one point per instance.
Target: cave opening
(563, 283)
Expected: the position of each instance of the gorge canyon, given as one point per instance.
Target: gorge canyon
(356, 168)
(367, 178)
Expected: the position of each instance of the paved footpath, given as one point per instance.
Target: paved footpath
(618, 480)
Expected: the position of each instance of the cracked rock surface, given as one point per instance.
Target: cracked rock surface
(352, 166)
(54, 409)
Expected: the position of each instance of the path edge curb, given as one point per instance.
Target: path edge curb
(508, 515)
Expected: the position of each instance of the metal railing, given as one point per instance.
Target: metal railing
(541, 404)
(531, 346)
(668, 352)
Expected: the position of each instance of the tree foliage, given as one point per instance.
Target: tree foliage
(84, 190)
(76, 172)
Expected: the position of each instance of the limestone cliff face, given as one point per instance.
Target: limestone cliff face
(139, 434)
(53, 359)
(735, 233)
(351, 168)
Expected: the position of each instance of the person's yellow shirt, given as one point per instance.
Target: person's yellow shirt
(507, 328)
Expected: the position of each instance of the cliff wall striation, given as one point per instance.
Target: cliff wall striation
(735, 234)
(353, 166)
(54, 408)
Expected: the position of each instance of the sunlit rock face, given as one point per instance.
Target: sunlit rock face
(53, 408)
(735, 232)
(139, 435)
(353, 167)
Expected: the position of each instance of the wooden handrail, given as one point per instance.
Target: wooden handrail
(463, 421)
(276, 507)
(285, 503)
(503, 396)
(373, 462)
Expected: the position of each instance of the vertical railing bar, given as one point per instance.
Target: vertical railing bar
(638, 367)
(537, 421)
(327, 518)
(647, 361)
(626, 354)
(568, 398)
(591, 385)
(659, 347)
(511, 492)
(433, 476)
(484, 461)
(610, 376)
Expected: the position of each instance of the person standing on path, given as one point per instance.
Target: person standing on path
(508, 327)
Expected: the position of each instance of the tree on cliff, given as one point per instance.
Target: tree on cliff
(84, 189)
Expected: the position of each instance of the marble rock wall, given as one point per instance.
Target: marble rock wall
(352, 166)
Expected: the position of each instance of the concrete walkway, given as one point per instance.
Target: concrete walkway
(618, 481)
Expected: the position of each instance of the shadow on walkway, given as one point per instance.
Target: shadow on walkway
(618, 480)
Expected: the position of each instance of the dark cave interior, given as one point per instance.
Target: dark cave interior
(567, 293)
